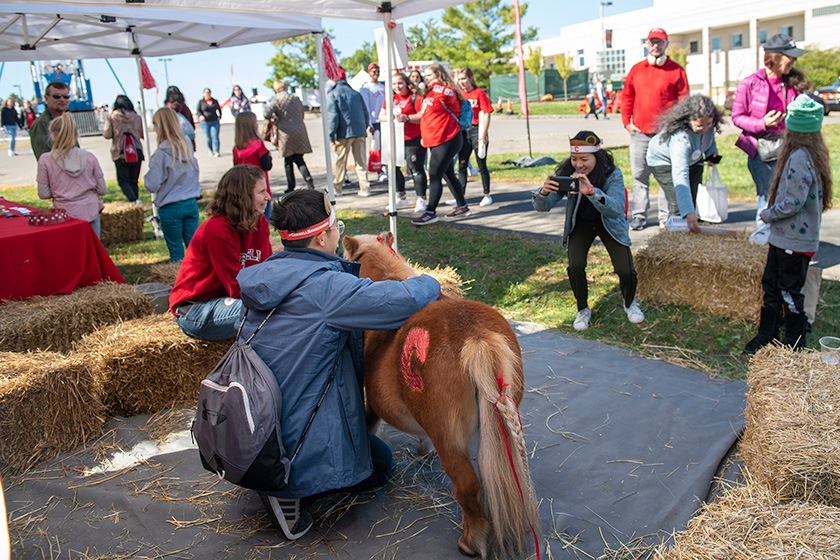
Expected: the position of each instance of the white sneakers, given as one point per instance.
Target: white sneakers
(421, 204)
(486, 201)
(634, 313)
(584, 317)
(402, 202)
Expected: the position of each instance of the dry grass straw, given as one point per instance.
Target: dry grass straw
(747, 523)
(709, 273)
(164, 273)
(51, 403)
(450, 281)
(122, 222)
(148, 364)
(792, 438)
(56, 322)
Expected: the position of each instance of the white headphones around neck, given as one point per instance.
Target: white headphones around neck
(657, 60)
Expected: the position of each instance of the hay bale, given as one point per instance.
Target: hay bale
(56, 322)
(792, 438)
(709, 273)
(747, 523)
(164, 273)
(450, 281)
(122, 222)
(148, 364)
(51, 403)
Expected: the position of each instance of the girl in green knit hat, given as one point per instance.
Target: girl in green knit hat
(799, 193)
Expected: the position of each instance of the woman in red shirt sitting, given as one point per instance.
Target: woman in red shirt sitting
(441, 132)
(205, 298)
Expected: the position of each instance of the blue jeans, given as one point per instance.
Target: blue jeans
(210, 320)
(211, 133)
(11, 130)
(762, 175)
(96, 224)
(178, 221)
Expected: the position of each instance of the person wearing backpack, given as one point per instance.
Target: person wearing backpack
(475, 137)
(319, 309)
(125, 130)
(173, 176)
(441, 132)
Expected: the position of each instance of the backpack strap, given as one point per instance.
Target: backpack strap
(250, 338)
(451, 114)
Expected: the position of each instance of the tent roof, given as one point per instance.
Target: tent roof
(61, 30)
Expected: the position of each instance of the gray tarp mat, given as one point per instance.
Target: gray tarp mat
(623, 449)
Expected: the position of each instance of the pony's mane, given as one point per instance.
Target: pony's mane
(378, 258)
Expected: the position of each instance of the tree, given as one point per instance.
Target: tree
(678, 55)
(563, 64)
(822, 67)
(430, 40)
(295, 62)
(534, 64)
(360, 59)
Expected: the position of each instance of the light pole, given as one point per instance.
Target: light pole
(166, 67)
(603, 37)
(20, 92)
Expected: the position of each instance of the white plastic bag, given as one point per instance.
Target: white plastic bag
(712, 199)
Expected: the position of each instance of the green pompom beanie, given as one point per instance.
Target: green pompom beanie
(804, 115)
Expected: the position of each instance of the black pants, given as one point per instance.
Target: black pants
(442, 164)
(662, 173)
(580, 241)
(128, 175)
(469, 144)
(289, 162)
(415, 161)
(783, 280)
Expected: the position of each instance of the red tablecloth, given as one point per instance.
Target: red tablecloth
(49, 260)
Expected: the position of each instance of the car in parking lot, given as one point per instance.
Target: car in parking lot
(830, 96)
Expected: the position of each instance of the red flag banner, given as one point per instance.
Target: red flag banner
(330, 63)
(520, 58)
(146, 76)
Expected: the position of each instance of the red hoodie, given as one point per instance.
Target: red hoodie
(650, 91)
(251, 156)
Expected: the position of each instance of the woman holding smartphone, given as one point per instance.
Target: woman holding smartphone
(595, 209)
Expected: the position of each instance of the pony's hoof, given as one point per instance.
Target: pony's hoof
(424, 446)
(466, 551)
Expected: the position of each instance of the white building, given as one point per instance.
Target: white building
(723, 37)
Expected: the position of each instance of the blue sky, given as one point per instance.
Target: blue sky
(193, 72)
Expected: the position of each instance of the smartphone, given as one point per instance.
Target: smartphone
(567, 184)
(715, 159)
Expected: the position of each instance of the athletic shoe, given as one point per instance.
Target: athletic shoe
(421, 204)
(583, 319)
(449, 202)
(364, 193)
(402, 202)
(638, 223)
(287, 516)
(634, 313)
(382, 178)
(486, 201)
(217, 154)
(460, 212)
(337, 192)
(425, 219)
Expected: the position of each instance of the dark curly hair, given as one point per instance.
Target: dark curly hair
(689, 109)
(234, 197)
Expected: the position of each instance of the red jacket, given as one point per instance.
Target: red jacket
(215, 255)
(650, 91)
(251, 156)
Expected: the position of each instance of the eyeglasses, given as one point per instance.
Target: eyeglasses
(339, 225)
(60, 95)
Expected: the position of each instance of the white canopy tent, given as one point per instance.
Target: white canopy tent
(228, 23)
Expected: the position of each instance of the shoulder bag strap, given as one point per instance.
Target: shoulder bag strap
(245, 316)
(451, 114)
(341, 345)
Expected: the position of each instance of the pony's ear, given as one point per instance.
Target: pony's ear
(350, 244)
(387, 238)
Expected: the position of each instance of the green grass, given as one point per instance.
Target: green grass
(555, 107)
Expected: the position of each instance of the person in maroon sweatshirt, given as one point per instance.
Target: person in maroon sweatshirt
(205, 298)
(650, 89)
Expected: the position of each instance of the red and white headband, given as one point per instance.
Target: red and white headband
(584, 149)
(294, 235)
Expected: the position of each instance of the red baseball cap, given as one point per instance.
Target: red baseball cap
(657, 33)
(373, 65)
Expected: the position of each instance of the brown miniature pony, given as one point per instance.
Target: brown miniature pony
(455, 368)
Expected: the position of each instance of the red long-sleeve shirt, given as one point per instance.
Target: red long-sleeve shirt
(651, 90)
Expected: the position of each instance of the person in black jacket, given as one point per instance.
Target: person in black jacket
(12, 120)
(209, 112)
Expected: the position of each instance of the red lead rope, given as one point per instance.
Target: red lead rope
(502, 386)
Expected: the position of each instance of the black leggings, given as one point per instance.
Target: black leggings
(415, 162)
(289, 162)
(128, 175)
(469, 144)
(580, 240)
(442, 164)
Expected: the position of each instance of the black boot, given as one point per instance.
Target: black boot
(768, 331)
(795, 329)
(307, 176)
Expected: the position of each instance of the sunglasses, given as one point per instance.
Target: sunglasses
(60, 95)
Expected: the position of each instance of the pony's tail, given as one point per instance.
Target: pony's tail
(507, 492)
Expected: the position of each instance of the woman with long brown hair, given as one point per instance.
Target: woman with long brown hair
(799, 193)
(205, 298)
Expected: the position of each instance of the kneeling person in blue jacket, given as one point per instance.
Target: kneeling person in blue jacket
(322, 309)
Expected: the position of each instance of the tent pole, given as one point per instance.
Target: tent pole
(322, 92)
(155, 218)
(389, 111)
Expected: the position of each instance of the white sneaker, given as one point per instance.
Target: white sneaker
(634, 313)
(486, 201)
(421, 204)
(402, 202)
(449, 202)
(583, 319)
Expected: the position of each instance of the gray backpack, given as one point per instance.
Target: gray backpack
(237, 423)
